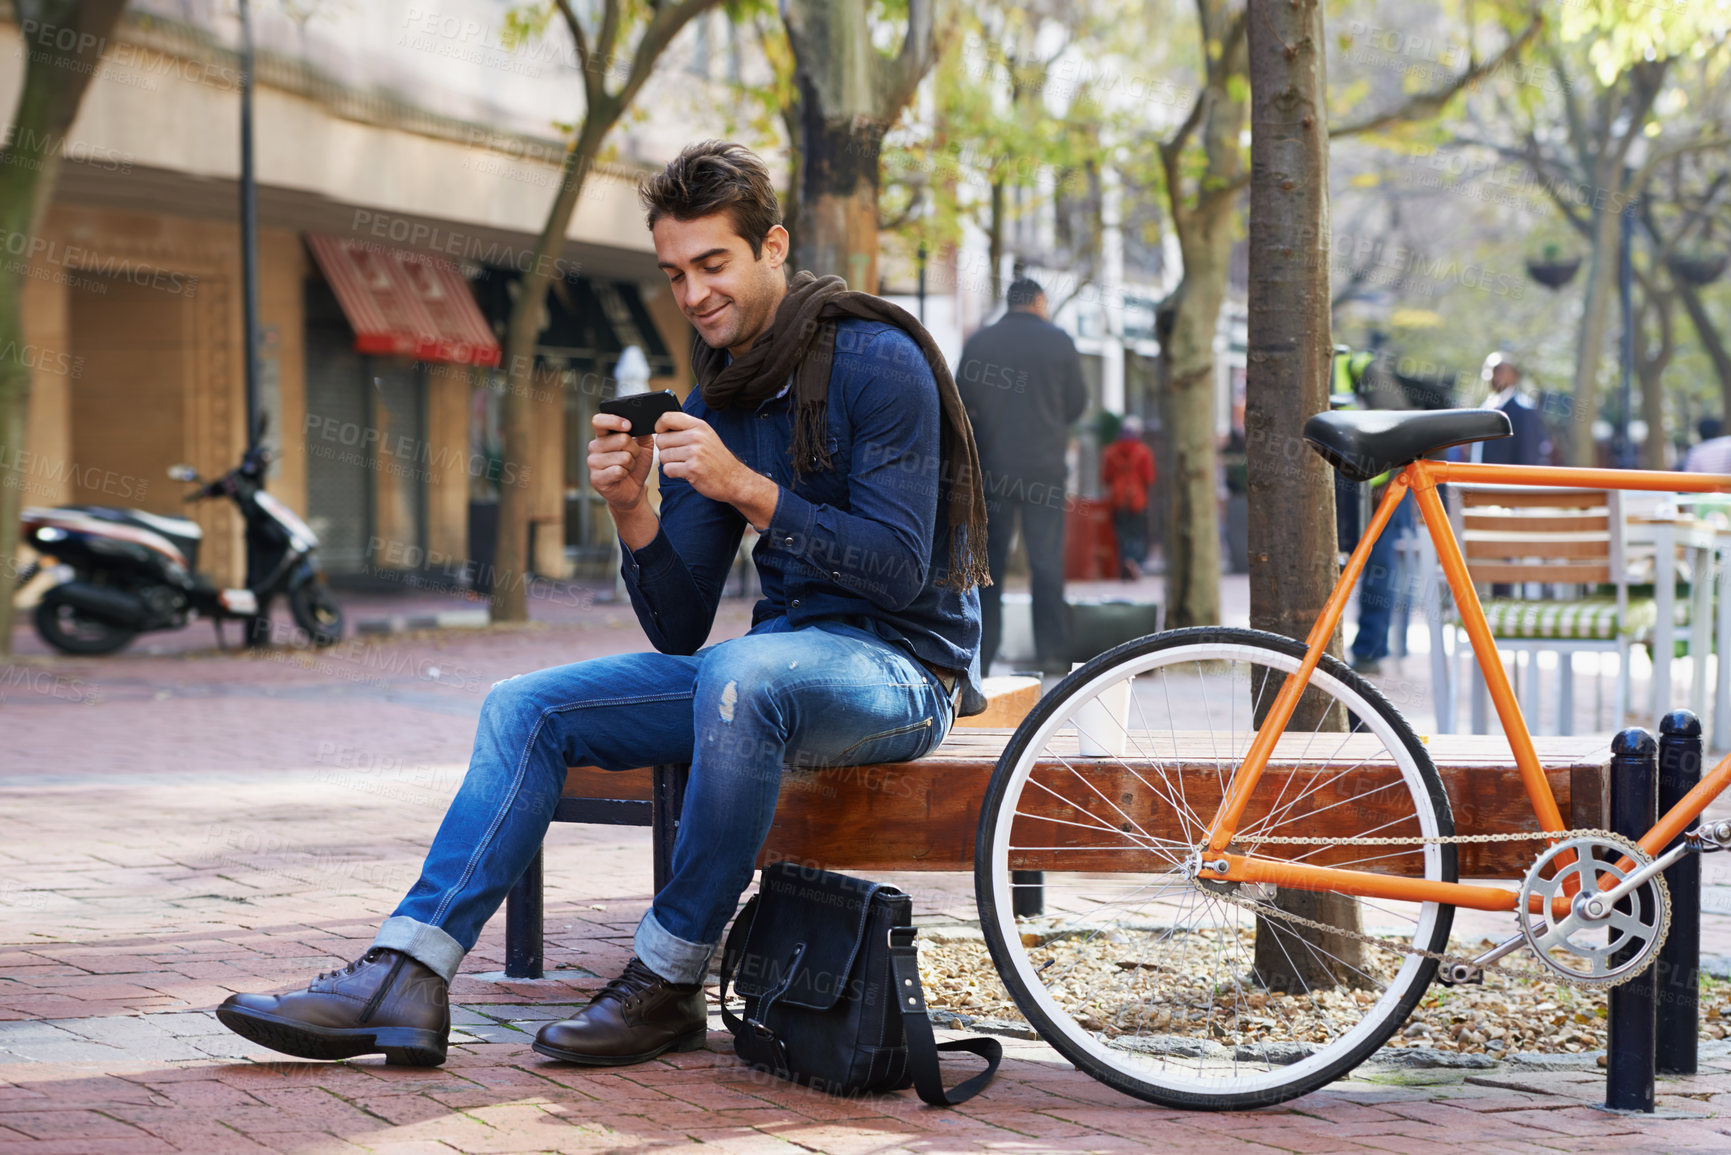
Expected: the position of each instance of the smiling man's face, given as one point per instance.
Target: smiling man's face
(726, 292)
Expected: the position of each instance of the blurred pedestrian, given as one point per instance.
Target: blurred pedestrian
(1127, 471)
(1376, 589)
(1712, 454)
(1021, 381)
(1527, 446)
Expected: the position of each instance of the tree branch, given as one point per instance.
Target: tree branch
(1578, 133)
(665, 25)
(1223, 191)
(916, 201)
(899, 78)
(1642, 174)
(1171, 151)
(1425, 105)
(607, 40)
(593, 90)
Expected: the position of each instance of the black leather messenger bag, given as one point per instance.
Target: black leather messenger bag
(831, 980)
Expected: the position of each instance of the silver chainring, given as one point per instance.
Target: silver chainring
(1597, 952)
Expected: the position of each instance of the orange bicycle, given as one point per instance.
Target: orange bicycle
(1251, 866)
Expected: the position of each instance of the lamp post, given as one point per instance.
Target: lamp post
(1622, 449)
(920, 257)
(248, 229)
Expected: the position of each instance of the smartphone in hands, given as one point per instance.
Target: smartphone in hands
(643, 410)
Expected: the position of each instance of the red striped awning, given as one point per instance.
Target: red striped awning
(405, 303)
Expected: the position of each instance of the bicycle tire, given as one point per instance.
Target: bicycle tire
(1151, 1062)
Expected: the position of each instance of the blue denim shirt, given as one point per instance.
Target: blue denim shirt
(865, 541)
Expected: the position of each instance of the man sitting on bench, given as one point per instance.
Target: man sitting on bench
(828, 420)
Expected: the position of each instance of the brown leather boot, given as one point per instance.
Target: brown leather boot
(636, 1017)
(383, 1002)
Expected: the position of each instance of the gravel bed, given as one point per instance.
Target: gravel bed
(1516, 1009)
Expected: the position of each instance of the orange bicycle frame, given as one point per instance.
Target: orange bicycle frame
(1422, 478)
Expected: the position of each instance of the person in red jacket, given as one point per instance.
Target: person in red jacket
(1127, 472)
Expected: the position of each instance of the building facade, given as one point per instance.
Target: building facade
(392, 235)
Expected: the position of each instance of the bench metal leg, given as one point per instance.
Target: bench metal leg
(1027, 893)
(668, 799)
(1480, 701)
(1566, 692)
(523, 951)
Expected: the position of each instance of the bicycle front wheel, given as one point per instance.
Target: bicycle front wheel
(1175, 988)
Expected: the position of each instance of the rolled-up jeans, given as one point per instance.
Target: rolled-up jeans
(738, 711)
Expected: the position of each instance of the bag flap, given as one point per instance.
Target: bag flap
(806, 935)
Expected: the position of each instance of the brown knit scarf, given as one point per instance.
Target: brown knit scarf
(801, 341)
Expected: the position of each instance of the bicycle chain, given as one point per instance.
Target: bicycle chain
(1443, 959)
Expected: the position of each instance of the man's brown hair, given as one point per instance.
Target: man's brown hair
(714, 176)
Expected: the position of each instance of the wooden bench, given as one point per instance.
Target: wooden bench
(923, 815)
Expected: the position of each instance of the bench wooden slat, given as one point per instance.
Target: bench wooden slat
(1518, 523)
(923, 815)
(1551, 574)
(1522, 497)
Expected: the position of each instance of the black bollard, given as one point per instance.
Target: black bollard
(1678, 985)
(1629, 1059)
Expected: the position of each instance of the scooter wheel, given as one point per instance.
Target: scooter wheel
(318, 613)
(70, 632)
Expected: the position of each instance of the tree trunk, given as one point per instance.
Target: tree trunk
(1711, 340)
(510, 600)
(597, 57)
(1652, 357)
(1192, 547)
(1203, 224)
(1595, 325)
(849, 95)
(63, 44)
(839, 194)
(1292, 532)
(995, 242)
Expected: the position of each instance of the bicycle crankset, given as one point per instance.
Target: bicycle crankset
(1600, 943)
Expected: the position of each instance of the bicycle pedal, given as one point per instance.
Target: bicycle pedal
(1460, 974)
(1710, 837)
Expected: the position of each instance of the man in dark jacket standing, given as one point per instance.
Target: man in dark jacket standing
(1021, 381)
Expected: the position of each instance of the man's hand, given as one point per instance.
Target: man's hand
(619, 471)
(619, 463)
(692, 451)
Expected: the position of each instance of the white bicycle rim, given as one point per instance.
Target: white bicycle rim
(1275, 1080)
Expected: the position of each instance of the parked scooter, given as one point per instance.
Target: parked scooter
(133, 572)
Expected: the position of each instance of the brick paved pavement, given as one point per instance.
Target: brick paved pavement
(177, 827)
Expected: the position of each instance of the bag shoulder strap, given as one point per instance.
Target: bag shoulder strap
(730, 952)
(923, 1046)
